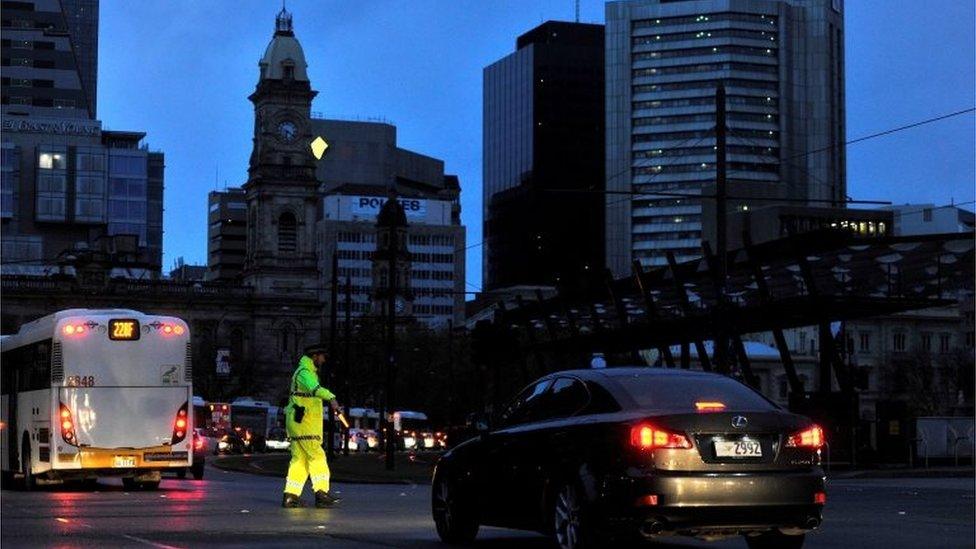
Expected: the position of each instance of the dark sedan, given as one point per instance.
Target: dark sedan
(636, 453)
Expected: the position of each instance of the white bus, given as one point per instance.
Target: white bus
(91, 393)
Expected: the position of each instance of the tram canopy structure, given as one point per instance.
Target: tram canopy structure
(813, 278)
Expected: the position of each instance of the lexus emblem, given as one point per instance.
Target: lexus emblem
(739, 422)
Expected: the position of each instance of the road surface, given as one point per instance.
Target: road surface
(235, 509)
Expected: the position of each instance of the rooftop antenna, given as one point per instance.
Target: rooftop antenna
(577, 10)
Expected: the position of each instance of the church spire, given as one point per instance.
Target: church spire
(283, 22)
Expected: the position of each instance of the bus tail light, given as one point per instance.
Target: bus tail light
(648, 437)
(67, 425)
(812, 438)
(74, 329)
(181, 424)
(172, 329)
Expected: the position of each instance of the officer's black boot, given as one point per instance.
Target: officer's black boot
(291, 501)
(324, 499)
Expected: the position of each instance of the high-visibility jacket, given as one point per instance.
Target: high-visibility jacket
(306, 391)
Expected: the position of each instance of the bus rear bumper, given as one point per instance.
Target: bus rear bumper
(157, 457)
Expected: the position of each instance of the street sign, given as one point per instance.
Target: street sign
(223, 362)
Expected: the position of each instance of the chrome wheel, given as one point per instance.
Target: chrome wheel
(567, 519)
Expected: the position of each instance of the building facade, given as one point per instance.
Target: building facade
(265, 295)
(931, 219)
(50, 57)
(361, 169)
(65, 182)
(226, 234)
(782, 65)
(543, 139)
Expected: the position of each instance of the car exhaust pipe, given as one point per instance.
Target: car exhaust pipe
(812, 522)
(652, 527)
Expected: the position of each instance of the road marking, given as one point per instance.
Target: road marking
(148, 542)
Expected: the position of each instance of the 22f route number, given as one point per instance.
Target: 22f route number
(81, 381)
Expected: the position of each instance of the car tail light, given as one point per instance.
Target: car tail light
(648, 437)
(67, 426)
(709, 406)
(199, 442)
(820, 498)
(649, 500)
(812, 437)
(181, 424)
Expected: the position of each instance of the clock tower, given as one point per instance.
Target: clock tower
(392, 251)
(281, 189)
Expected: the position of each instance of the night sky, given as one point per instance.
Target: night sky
(182, 70)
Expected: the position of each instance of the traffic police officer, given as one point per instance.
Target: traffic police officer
(303, 424)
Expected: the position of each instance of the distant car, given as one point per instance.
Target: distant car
(199, 456)
(590, 455)
(231, 442)
(277, 441)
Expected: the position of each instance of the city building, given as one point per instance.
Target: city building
(264, 296)
(226, 234)
(543, 136)
(769, 222)
(50, 57)
(64, 182)
(910, 219)
(362, 167)
(782, 65)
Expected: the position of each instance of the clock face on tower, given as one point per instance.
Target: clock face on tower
(287, 131)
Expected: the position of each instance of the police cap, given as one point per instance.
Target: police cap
(318, 348)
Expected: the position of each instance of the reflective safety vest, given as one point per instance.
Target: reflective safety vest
(307, 392)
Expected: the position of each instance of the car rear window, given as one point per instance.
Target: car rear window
(679, 393)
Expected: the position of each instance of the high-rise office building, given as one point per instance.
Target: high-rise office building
(50, 57)
(543, 136)
(65, 184)
(362, 167)
(226, 234)
(782, 65)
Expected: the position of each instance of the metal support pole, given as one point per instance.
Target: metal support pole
(330, 367)
(721, 243)
(346, 366)
(393, 244)
(679, 287)
(796, 385)
(650, 308)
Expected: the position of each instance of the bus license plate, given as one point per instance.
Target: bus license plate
(738, 449)
(124, 461)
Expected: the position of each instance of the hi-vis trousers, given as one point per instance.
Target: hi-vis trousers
(307, 459)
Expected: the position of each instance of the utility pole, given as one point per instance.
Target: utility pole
(450, 370)
(346, 366)
(392, 247)
(721, 243)
(330, 372)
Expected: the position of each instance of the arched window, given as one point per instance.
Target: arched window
(237, 350)
(287, 340)
(287, 233)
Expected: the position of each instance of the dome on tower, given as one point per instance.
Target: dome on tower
(284, 57)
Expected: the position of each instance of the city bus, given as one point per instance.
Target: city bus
(88, 393)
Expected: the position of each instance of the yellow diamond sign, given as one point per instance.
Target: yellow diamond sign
(318, 147)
